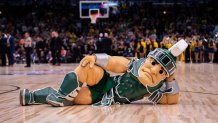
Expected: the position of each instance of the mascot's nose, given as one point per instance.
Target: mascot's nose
(143, 69)
(155, 69)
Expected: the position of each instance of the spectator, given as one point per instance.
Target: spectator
(3, 43)
(148, 46)
(187, 52)
(211, 50)
(104, 44)
(205, 50)
(49, 57)
(56, 44)
(141, 48)
(28, 48)
(129, 50)
(216, 53)
(197, 50)
(10, 48)
(125, 24)
(40, 49)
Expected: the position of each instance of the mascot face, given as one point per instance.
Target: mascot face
(151, 71)
(161, 63)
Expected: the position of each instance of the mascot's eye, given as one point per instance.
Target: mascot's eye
(153, 63)
(161, 71)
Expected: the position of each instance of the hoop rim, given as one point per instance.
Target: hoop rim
(97, 14)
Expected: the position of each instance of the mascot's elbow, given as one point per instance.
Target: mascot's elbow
(172, 99)
(172, 102)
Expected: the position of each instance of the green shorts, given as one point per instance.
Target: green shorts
(104, 85)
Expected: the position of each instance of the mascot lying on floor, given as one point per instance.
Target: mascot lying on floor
(90, 83)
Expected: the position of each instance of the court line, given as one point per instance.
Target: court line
(16, 88)
(198, 92)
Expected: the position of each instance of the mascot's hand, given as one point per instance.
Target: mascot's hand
(90, 59)
(171, 78)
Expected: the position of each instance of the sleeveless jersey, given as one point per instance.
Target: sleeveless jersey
(128, 88)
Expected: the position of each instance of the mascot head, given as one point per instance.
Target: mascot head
(167, 58)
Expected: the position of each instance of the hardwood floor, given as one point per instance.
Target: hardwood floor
(198, 98)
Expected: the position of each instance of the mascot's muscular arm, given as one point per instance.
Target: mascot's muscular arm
(117, 64)
(170, 98)
(114, 64)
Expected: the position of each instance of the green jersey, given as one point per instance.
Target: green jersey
(128, 88)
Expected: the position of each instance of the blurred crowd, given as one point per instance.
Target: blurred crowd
(56, 35)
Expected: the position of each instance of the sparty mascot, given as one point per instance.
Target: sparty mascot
(90, 83)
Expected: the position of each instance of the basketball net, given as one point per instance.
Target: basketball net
(93, 18)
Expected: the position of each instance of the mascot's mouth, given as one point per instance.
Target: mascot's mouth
(146, 72)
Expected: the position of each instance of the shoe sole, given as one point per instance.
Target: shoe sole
(22, 97)
(54, 103)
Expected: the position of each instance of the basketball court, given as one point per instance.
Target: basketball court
(198, 98)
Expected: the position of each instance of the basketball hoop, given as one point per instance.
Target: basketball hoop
(93, 18)
(93, 9)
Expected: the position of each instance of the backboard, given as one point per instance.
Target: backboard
(94, 7)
